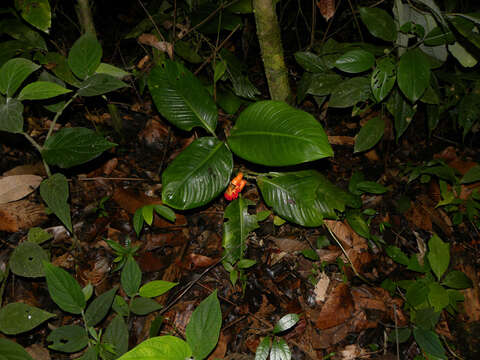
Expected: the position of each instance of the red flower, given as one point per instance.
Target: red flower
(235, 187)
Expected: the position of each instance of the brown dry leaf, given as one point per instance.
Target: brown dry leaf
(197, 261)
(289, 245)
(66, 261)
(418, 216)
(321, 288)
(15, 187)
(329, 254)
(341, 140)
(152, 40)
(38, 352)
(351, 352)
(221, 348)
(327, 8)
(154, 134)
(337, 309)
(34, 169)
(22, 214)
(331, 336)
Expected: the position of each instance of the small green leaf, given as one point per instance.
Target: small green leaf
(147, 214)
(310, 62)
(99, 84)
(370, 134)
(355, 61)
(462, 55)
(74, 146)
(99, 307)
(429, 342)
(397, 255)
(438, 296)
(350, 92)
(371, 187)
(426, 318)
(12, 351)
(399, 335)
(116, 335)
(40, 90)
(383, 78)
(417, 294)
(87, 291)
(164, 212)
(438, 255)
(160, 348)
(38, 235)
(16, 318)
(156, 288)
(138, 220)
(64, 289)
(286, 322)
(11, 116)
(413, 75)
(358, 223)
(457, 280)
(68, 338)
(120, 306)
(111, 70)
(54, 191)
(36, 13)
(472, 175)
(85, 55)
(203, 330)
(280, 350)
(263, 349)
(402, 112)
(143, 306)
(13, 73)
(246, 263)
(379, 23)
(220, 69)
(27, 260)
(131, 277)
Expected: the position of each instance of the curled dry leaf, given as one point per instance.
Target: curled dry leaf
(327, 8)
(15, 187)
(152, 40)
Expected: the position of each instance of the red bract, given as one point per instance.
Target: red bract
(235, 187)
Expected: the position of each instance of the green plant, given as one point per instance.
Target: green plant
(273, 345)
(427, 295)
(408, 72)
(145, 214)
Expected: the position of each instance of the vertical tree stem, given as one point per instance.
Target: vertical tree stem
(85, 18)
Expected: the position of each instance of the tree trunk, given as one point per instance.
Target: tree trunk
(268, 33)
(85, 18)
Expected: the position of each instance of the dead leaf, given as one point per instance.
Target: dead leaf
(321, 288)
(38, 352)
(337, 309)
(351, 352)
(22, 214)
(16, 187)
(327, 8)
(34, 169)
(290, 245)
(221, 348)
(152, 40)
(341, 140)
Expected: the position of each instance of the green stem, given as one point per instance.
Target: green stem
(57, 115)
(39, 149)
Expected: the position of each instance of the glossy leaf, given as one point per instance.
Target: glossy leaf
(11, 116)
(116, 335)
(355, 61)
(429, 342)
(280, 350)
(379, 23)
(370, 134)
(144, 306)
(197, 175)
(322, 84)
(27, 260)
(413, 75)
(131, 277)
(13, 73)
(438, 255)
(54, 191)
(160, 348)
(99, 307)
(40, 90)
(12, 351)
(164, 212)
(85, 55)
(203, 329)
(64, 289)
(99, 84)
(263, 349)
(310, 61)
(350, 92)
(36, 13)
(238, 223)
(285, 323)
(181, 98)
(74, 146)
(383, 78)
(275, 134)
(402, 112)
(16, 318)
(472, 175)
(156, 288)
(68, 338)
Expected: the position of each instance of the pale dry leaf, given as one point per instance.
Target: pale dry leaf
(16, 187)
(327, 8)
(321, 288)
(152, 40)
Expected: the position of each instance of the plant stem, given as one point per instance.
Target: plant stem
(39, 149)
(57, 115)
(85, 18)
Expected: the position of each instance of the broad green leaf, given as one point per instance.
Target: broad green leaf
(457, 280)
(350, 92)
(156, 288)
(438, 296)
(54, 191)
(355, 61)
(286, 322)
(181, 98)
(13, 73)
(27, 260)
(371, 187)
(143, 306)
(236, 229)
(310, 62)
(38, 235)
(472, 175)
(379, 23)
(187, 51)
(116, 335)
(16, 318)
(40, 90)
(68, 338)
(429, 342)
(399, 335)
(438, 255)
(397, 255)
(85, 55)
(437, 36)
(36, 13)
(11, 116)
(74, 146)
(275, 134)
(455, 296)
(59, 66)
(99, 84)
(280, 350)
(417, 294)
(147, 214)
(64, 289)
(164, 212)
(12, 351)
(203, 329)
(111, 70)
(426, 318)
(99, 307)
(16, 28)
(237, 72)
(220, 69)
(370, 134)
(263, 349)
(467, 28)
(131, 277)
(197, 175)
(383, 78)
(120, 306)
(413, 74)
(160, 348)
(9, 49)
(358, 223)
(430, 96)
(323, 84)
(468, 111)
(402, 112)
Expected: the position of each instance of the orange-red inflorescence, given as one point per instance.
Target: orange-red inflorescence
(235, 187)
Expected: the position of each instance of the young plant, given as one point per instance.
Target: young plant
(145, 214)
(273, 345)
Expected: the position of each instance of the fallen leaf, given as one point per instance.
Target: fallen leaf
(321, 288)
(337, 308)
(15, 187)
(327, 8)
